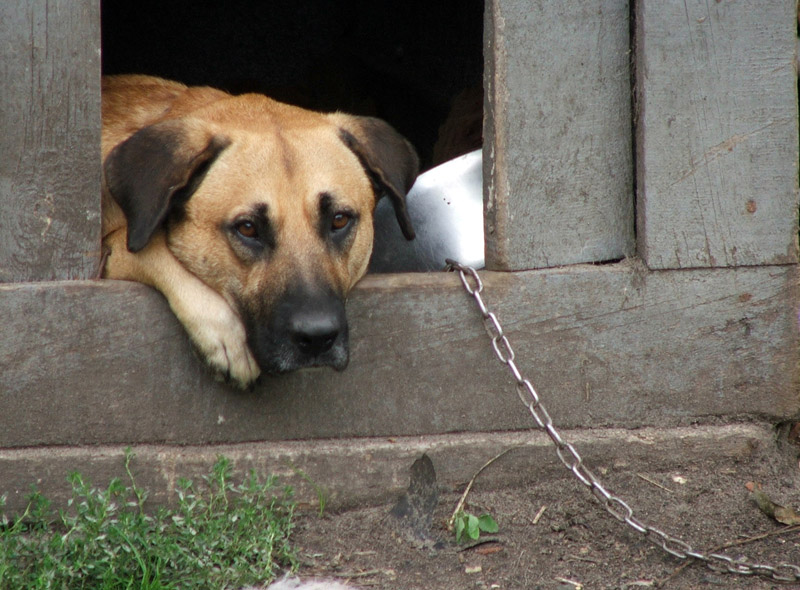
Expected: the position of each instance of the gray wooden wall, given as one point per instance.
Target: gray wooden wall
(559, 163)
(49, 140)
(715, 133)
(716, 147)
(696, 323)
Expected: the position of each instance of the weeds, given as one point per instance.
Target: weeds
(469, 527)
(462, 522)
(321, 491)
(219, 536)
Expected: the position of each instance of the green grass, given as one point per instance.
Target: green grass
(218, 536)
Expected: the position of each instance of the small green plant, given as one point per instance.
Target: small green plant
(468, 526)
(220, 535)
(321, 491)
(461, 521)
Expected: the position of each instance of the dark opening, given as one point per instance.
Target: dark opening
(417, 64)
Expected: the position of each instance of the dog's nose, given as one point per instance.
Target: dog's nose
(306, 328)
(314, 333)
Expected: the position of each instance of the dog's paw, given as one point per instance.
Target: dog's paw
(227, 354)
(219, 337)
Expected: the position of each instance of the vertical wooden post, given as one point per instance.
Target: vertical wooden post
(558, 146)
(49, 139)
(717, 131)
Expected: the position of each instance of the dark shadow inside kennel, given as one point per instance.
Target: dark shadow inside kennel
(410, 62)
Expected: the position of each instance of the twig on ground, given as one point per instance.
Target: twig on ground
(463, 499)
(781, 531)
(654, 482)
(487, 541)
(580, 558)
(538, 515)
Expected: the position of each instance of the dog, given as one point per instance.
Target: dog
(252, 217)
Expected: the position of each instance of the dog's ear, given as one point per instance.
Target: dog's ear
(157, 169)
(388, 158)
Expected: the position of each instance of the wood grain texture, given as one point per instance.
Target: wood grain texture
(105, 361)
(50, 140)
(717, 132)
(558, 155)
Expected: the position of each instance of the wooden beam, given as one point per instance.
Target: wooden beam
(558, 165)
(358, 472)
(717, 132)
(614, 345)
(50, 140)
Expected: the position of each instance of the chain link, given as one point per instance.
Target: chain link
(616, 507)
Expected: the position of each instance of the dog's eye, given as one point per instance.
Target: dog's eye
(340, 221)
(247, 229)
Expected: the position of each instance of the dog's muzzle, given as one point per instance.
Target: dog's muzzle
(306, 328)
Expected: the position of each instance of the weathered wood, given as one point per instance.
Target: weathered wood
(717, 131)
(363, 471)
(105, 361)
(50, 140)
(558, 167)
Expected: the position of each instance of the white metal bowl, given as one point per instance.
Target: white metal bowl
(446, 209)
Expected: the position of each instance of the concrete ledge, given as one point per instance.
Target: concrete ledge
(364, 471)
(105, 362)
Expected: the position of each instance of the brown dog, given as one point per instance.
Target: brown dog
(252, 217)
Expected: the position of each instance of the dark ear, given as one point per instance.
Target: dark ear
(157, 169)
(388, 158)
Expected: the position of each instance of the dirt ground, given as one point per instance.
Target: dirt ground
(554, 535)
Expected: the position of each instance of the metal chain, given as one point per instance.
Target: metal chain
(615, 506)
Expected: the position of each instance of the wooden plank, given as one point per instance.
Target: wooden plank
(717, 132)
(50, 140)
(612, 345)
(366, 471)
(558, 151)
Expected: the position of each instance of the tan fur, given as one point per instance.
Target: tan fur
(277, 156)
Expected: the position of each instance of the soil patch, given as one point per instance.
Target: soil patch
(573, 544)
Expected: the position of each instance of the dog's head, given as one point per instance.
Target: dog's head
(271, 206)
